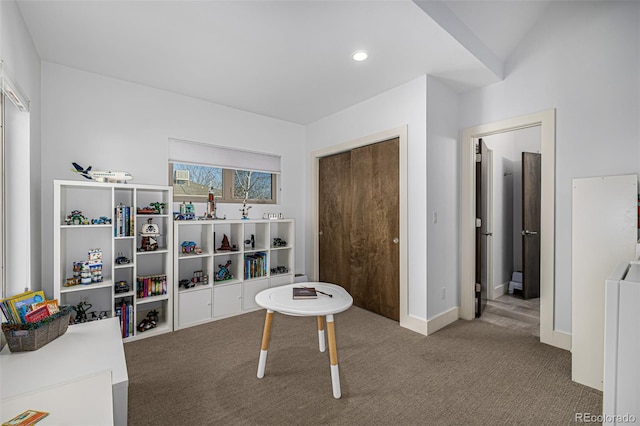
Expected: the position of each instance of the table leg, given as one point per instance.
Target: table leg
(333, 357)
(265, 344)
(321, 340)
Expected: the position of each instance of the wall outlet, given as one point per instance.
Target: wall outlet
(443, 296)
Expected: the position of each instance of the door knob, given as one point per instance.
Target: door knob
(396, 240)
(488, 234)
(526, 232)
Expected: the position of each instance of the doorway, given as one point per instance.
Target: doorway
(546, 121)
(509, 233)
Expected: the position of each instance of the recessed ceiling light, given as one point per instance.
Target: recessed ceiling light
(360, 55)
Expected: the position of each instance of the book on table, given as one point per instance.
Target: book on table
(304, 293)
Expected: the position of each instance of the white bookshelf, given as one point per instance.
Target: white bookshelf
(73, 241)
(214, 300)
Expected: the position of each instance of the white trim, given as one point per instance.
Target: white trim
(500, 290)
(442, 320)
(400, 133)
(546, 121)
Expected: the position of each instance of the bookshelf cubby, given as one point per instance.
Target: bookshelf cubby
(200, 302)
(120, 244)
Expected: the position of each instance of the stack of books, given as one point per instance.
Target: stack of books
(28, 307)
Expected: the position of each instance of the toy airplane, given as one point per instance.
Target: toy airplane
(101, 176)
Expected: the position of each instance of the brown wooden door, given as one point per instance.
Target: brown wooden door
(360, 227)
(334, 211)
(531, 196)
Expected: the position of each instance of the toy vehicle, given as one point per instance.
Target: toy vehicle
(279, 242)
(121, 260)
(102, 220)
(121, 287)
(146, 210)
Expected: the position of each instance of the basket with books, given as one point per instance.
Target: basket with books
(31, 336)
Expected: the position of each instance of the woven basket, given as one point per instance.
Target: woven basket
(33, 336)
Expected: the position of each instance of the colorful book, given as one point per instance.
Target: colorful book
(37, 314)
(27, 418)
(21, 305)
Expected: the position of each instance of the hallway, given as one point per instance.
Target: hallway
(511, 311)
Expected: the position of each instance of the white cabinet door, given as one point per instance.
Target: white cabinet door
(194, 307)
(227, 300)
(604, 233)
(249, 291)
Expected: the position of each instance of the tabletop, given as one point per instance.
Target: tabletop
(280, 299)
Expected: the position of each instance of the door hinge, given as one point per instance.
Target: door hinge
(478, 222)
(478, 158)
(478, 288)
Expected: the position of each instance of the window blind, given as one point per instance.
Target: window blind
(182, 151)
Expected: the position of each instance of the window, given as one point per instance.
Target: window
(192, 182)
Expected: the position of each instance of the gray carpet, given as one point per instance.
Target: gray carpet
(468, 373)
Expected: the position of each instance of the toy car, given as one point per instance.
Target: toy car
(121, 287)
(121, 260)
(102, 220)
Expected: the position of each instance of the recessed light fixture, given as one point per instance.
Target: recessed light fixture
(360, 55)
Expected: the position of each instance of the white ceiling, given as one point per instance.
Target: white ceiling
(284, 59)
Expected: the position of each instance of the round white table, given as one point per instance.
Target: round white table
(280, 299)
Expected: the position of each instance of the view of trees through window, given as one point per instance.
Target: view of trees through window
(192, 182)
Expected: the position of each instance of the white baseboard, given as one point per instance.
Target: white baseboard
(444, 319)
(414, 324)
(501, 289)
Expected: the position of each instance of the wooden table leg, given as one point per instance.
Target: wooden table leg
(333, 357)
(321, 340)
(265, 344)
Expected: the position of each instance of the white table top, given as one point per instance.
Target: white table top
(84, 401)
(280, 299)
(83, 350)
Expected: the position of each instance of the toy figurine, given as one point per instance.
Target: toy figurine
(81, 309)
(245, 210)
(157, 207)
(150, 233)
(224, 273)
(225, 244)
(76, 218)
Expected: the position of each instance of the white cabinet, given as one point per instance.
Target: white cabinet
(234, 259)
(227, 300)
(604, 231)
(194, 307)
(132, 246)
(621, 393)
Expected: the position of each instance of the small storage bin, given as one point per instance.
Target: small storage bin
(33, 336)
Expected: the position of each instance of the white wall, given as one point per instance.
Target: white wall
(583, 60)
(404, 105)
(112, 124)
(443, 201)
(22, 64)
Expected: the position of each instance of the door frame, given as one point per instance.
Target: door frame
(546, 120)
(401, 134)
